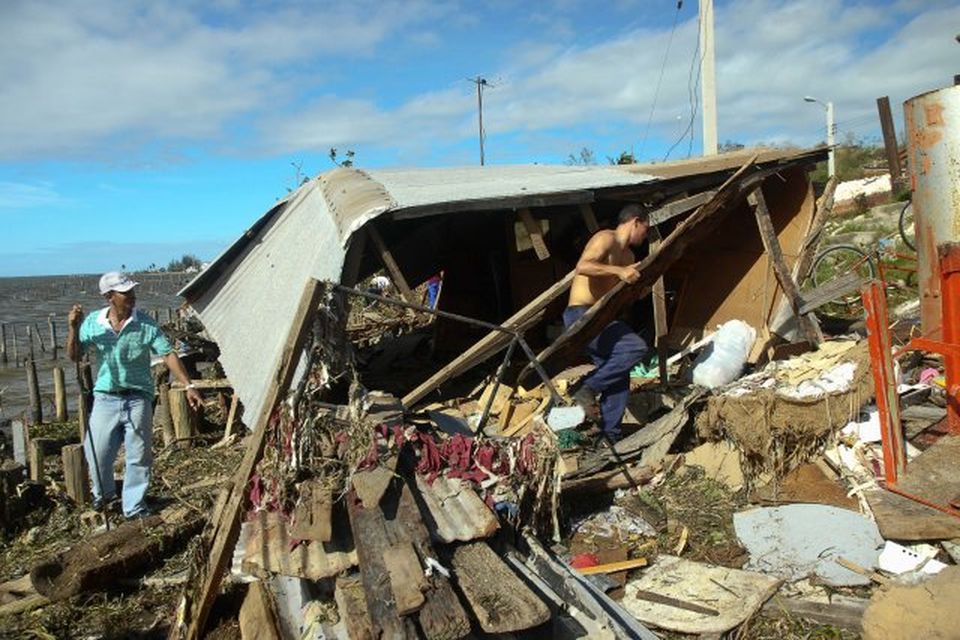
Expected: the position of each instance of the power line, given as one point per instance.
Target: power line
(693, 96)
(663, 66)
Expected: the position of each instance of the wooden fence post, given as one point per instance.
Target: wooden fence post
(83, 414)
(16, 346)
(30, 341)
(3, 342)
(60, 394)
(36, 409)
(38, 451)
(53, 337)
(185, 419)
(75, 476)
(162, 415)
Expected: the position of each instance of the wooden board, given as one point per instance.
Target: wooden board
(406, 577)
(257, 616)
(501, 602)
(900, 518)
(270, 550)
(535, 232)
(352, 605)
(311, 518)
(371, 484)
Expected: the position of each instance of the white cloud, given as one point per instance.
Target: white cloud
(98, 79)
(18, 195)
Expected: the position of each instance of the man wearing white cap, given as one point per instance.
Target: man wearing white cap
(123, 393)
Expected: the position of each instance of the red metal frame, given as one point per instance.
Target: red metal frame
(888, 401)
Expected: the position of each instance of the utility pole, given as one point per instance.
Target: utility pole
(708, 79)
(481, 83)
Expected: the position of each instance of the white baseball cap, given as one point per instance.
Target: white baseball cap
(116, 281)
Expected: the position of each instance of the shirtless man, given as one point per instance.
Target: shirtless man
(605, 260)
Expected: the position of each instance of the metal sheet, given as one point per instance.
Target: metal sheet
(457, 513)
(933, 150)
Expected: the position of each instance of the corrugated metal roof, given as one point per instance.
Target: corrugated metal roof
(457, 512)
(246, 298)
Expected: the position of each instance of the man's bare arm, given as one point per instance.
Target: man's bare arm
(593, 261)
(180, 373)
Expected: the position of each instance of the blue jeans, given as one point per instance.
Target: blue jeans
(615, 351)
(116, 420)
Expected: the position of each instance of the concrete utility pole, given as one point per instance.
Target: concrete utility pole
(481, 83)
(828, 106)
(708, 79)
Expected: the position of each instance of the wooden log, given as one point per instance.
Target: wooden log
(162, 416)
(222, 536)
(60, 394)
(186, 421)
(123, 551)
(75, 476)
(33, 386)
(501, 602)
(38, 453)
(771, 243)
(371, 539)
(391, 265)
(535, 232)
(258, 617)
(51, 325)
(352, 605)
(442, 617)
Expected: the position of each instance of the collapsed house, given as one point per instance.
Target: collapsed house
(725, 234)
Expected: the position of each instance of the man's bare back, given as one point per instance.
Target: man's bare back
(605, 260)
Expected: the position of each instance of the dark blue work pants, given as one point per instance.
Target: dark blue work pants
(615, 351)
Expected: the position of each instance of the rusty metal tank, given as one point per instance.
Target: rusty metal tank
(933, 148)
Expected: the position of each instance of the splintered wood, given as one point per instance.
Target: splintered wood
(500, 600)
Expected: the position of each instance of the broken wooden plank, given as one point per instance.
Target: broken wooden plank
(659, 294)
(842, 612)
(442, 617)
(589, 219)
(457, 514)
(226, 522)
(613, 567)
(406, 577)
(391, 265)
(629, 475)
(571, 343)
(311, 517)
(372, 539)
(352, 606)
(772, 246)
(371, 484)
(675, 208)
(258, 618)
(842, 285)
(501, 602)
(125, 550)
(535, 232)
(493, 342)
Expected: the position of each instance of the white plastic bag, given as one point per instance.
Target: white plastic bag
(723, 363)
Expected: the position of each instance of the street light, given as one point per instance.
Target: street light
(831, 167)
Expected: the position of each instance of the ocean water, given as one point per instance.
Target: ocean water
(32, 301)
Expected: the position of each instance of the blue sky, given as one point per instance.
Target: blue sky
(132, 132)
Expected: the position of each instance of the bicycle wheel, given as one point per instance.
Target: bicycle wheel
(905, 224)
(836, 261)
